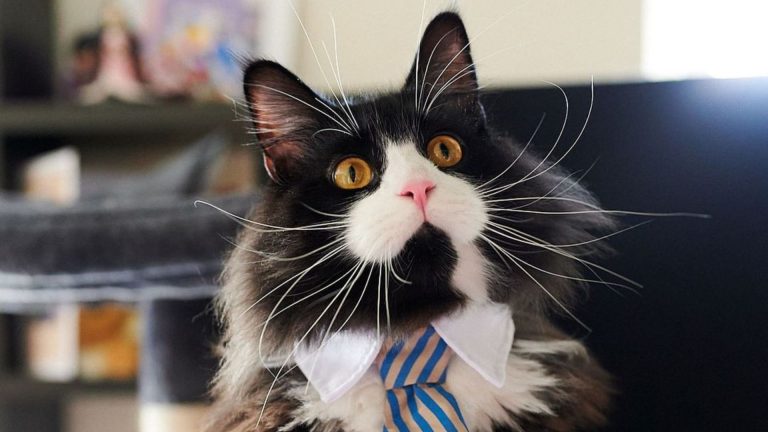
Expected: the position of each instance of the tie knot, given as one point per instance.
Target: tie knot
(421, 359)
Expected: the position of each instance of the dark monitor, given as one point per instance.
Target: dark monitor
(690, 351)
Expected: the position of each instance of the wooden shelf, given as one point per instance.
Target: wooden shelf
(46, 119)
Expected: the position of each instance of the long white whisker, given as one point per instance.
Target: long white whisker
(559, 134)
(344, 105)
(349, 317)
(338, 75)
(477, 35)
(386, 296)
(299, 275)
(426, 68)
(576, 141)
(311, 294)
(338, 121)
(328, 130)
(514, 259)
(530, 140)
(466, 70)
(610, 285)
(288, 358)
(272, 257)
(594, 240)
(378, 303)
(418, 55)
(349, 128)
(323, 226)
(614, 212)
(314, 54)
(519, 236)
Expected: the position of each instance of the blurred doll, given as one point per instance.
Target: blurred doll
(118, 71)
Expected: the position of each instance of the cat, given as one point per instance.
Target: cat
(389, 212)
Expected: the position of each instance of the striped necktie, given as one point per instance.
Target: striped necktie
(413, 372)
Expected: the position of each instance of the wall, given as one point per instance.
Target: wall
(516, 42)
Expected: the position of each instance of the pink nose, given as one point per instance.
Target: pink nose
(418, 190)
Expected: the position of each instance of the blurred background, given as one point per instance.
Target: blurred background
(115, 116)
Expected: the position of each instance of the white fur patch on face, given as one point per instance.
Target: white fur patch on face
(382, 222)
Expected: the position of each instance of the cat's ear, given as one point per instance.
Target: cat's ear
(443, 64)
(285, 115)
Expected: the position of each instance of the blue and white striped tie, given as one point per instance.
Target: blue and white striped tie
(413, 372)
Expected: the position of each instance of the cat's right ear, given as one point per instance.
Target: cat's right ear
(285, 115)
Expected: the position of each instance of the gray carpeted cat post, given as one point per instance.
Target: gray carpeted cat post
(163, 253)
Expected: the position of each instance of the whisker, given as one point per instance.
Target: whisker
(599, 280)
(519, 236)
(349, 317)
(464, 48)
(378, 301)
(338, 75)
(317, 59)
(323, 213)
(418, 54)
(272, 257)
(344, 105)
(288, 358)
(338, 121)
(613, 212)
(573, 145)
(553, 147)
(530, 140)
(324, 226)
(312, 294)
(426, 68)
(326, 257)
(514, 260)
(386, 297)
(328, 130)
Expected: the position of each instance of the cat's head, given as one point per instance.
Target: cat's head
(386, 211)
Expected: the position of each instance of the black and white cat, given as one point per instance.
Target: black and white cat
(390, 212)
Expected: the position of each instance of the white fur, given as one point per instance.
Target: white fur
(362, 408)
(482, 403)
(382, 222)
(470, 275)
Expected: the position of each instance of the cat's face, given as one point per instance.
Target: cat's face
(392, 200)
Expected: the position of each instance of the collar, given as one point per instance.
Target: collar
(480, 333)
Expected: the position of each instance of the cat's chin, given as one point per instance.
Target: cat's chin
(428, 292)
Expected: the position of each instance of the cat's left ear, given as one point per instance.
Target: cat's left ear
(443, 64)
(285, 113)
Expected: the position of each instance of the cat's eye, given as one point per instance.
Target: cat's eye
(352, 173)
(444, 151)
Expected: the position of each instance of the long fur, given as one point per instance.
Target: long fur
(296, 275)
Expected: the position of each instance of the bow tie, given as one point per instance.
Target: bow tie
(413, 372)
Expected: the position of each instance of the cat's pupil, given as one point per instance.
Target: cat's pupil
(444, 150)
(352, 174)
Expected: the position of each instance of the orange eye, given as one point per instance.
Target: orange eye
(352, 173)
(444, 151)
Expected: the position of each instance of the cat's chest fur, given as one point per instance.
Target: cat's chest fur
(483, 405)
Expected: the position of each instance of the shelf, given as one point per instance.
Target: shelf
(16, 387)
(41, 118)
